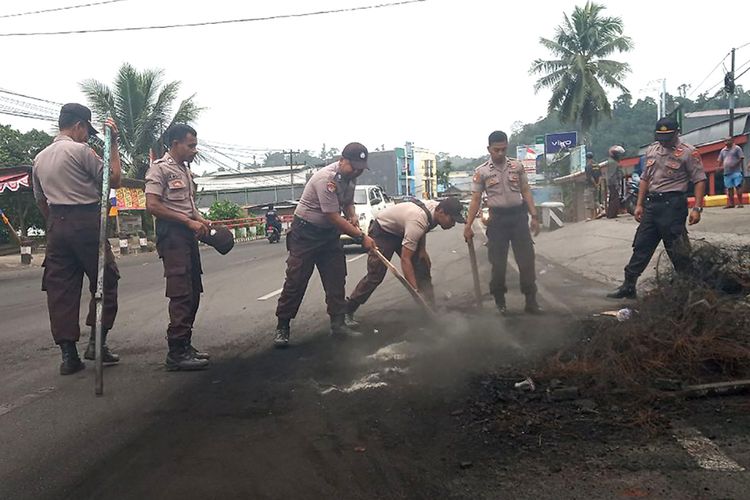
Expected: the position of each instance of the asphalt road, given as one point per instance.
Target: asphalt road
(369, 418)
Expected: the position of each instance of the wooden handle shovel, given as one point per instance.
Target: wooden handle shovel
(475, 272)
(414, 293)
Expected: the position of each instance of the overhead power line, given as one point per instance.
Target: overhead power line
(695, 89)
(215, 23)
(58, 9)
(3, 91)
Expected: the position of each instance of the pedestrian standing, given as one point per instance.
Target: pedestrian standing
(402, 229)
(170, 198)
(731, 159)
(511, 203)
(67, 180)
(614, 181)
(591, 191)
(314, 241)
(671, 165)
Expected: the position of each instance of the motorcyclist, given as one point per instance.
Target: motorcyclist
(272, 218)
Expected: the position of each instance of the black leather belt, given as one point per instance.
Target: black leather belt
(508, 210)
(669, 195)
(66, 209)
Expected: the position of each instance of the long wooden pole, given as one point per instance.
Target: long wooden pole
(99, 296)
(475, 272)
(414, 293)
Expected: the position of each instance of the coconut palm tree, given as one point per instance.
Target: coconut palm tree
(142, 109)
(581, 70)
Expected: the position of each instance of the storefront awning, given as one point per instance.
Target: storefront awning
(14, 182)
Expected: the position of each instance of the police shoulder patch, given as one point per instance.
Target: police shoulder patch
(331, 187)
(695, 154)
(477, 177)
(650, 162)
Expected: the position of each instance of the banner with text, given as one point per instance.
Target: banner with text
(553, 143)
(529, 155)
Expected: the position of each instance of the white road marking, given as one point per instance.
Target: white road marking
(704, 451)
(24, 400)
(272, 294)
(356, 258)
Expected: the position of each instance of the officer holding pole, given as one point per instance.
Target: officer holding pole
(67, 180)
(511, 204)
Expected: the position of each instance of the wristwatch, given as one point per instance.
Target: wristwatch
(698, 209)
(359, 239)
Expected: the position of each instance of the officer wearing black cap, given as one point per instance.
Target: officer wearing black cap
(179, 226)
(511, 203)
(67, 179)
(662, 204)
(314, 241)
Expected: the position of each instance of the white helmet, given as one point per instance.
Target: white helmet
(616, 151)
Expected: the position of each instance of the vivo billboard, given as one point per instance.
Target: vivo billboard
(563, 140)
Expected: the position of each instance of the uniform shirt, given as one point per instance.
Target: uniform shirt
(327, 192)
(670, 169)
(502, 183)
(408, 220)
(67, 173)
(173, 183)
(731, 159)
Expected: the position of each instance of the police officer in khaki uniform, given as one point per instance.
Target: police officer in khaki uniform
(662, 204)
(510, 201)
(314, 241)
(170, 198)
(403, 229)
(67, 179)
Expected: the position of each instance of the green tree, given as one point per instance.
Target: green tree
(581, 70)
(224, 210)
(443, 173)
(142, 109)
(18, 149)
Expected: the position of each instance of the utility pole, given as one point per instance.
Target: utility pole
(729, 87)
(291, 169)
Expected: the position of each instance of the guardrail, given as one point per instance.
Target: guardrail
(249, 228)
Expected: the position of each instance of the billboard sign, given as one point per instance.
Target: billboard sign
(528, 155)
(553, 143)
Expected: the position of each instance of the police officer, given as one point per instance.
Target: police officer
(170, 198)
(314, 241)
(510, 201)
(403, 229)
(662, 204)
(67, 179)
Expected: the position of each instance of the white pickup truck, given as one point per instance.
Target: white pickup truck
(368, 201)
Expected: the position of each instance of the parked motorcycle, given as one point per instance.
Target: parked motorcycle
(630, 199)
(272, 233)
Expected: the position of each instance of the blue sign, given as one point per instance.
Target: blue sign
(563, 140)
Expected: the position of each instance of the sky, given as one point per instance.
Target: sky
(440, 73)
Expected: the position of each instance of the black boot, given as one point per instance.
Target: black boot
(180, 357)
(500, 304)
(107, 355)
(340, 329)
(532, 306)
(349, 316)
(71, 363)
(199, 354)
(281, 338)
(626, 290)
